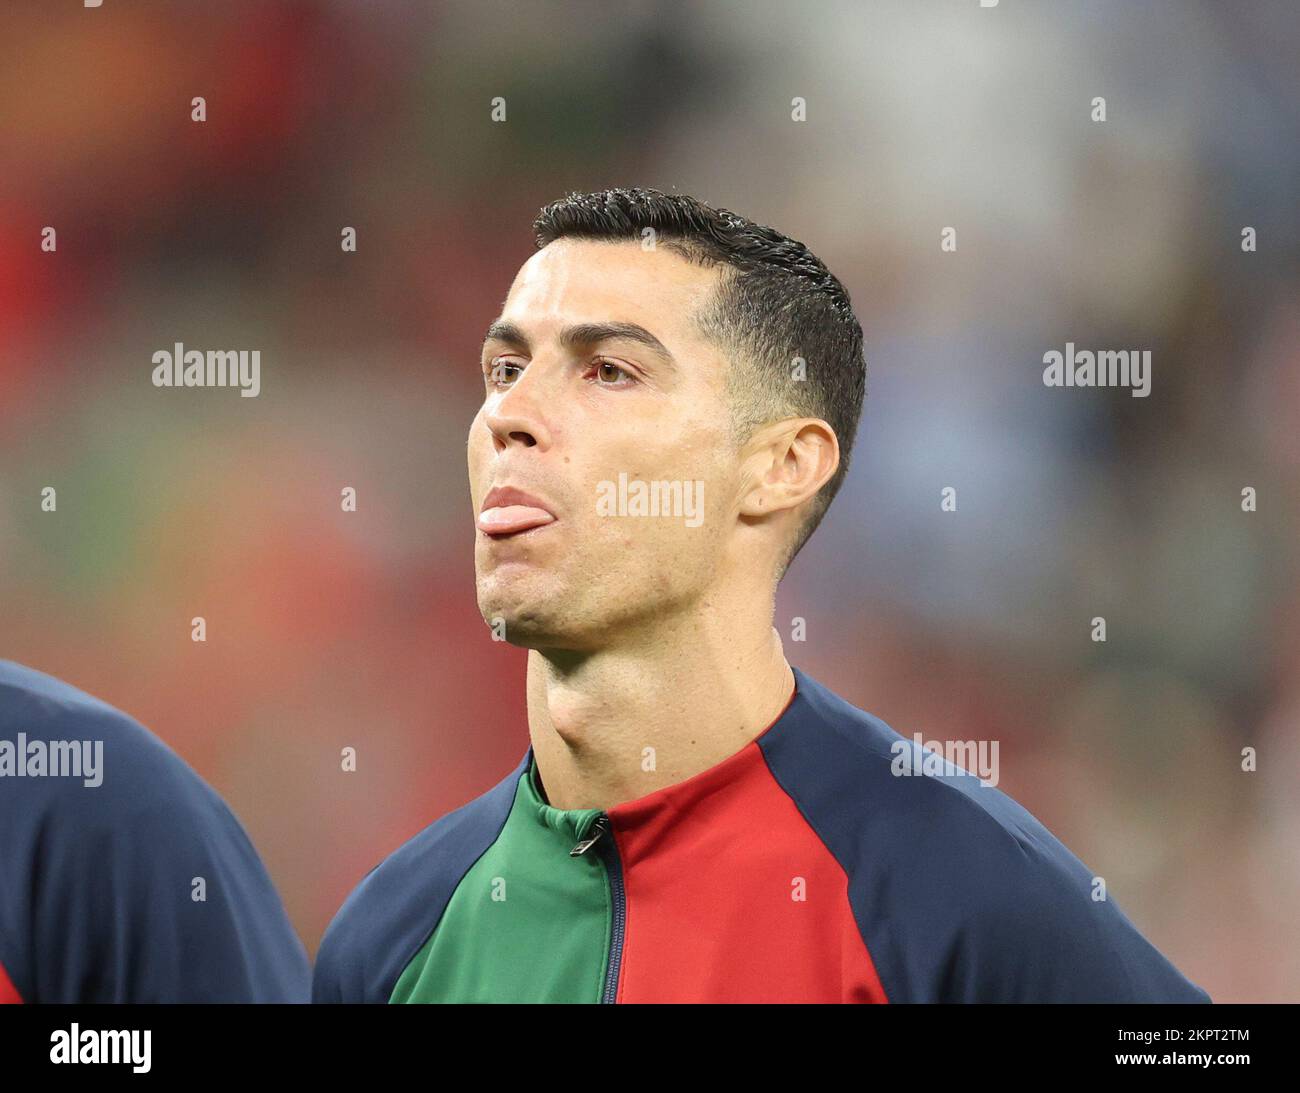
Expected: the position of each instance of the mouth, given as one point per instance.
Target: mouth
(507, 511)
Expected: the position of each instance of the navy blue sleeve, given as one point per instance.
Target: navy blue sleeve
(129, 880)
(959, 893)
(1029, 922)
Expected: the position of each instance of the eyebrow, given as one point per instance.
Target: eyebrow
(582, 334)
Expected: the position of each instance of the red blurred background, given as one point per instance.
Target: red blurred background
(328, 629)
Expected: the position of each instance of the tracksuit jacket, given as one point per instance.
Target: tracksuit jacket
(819, 863)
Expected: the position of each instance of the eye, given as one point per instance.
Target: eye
(501, 373)
(610, 374)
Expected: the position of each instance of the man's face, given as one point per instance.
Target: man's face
(567, 411)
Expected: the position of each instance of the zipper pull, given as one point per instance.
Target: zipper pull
(597, 830)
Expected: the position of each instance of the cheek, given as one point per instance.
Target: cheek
(661, 450)
(705, 459)
(477, 450)
(477, 431)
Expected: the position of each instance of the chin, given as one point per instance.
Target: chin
(524, 613)
(534, 623)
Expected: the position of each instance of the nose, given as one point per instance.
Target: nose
(515, 416)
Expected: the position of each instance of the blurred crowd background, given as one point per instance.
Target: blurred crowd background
(328, 629)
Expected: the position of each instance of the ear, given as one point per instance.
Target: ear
(787, 463)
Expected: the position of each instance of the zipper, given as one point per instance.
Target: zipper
(614, 870)
(598, 827)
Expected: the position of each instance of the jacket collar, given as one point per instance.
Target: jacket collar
(742, 764)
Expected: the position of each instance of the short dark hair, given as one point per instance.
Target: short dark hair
(780, 303)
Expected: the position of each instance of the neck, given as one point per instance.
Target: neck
(616, 724)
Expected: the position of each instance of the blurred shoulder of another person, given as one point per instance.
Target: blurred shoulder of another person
(124, 877)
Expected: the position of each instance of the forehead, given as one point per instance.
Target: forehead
(580, 280)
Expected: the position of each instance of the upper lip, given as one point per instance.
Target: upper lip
(499, 496)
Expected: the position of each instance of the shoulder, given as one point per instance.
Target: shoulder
(959, 892)
(393, 911)
(69, 756)
(121, 828)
